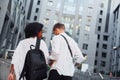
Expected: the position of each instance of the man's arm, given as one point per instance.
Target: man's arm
(55, 43)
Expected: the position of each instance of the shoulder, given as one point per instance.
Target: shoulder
(57, 37)
(42, 41)
(24, 40)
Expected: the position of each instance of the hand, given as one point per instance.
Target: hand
(85, 57)
(77, 64)
(51, 62)
(11, 76)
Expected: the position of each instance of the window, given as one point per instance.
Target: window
(38, 3)
(87, 27)
(104, 46)
(102, 5)
(101, 12)
(100, 20)
(95, 63)
(50, 3)
(98, 36)
(96, 53)
(103, 63)
(99, 28)
(85, 46)
(0, 7)
(105, 38)
(35, 18)
(95, 70)
(37, 9)
(104, 54)
(89, 18)
(86, 36)
(46, 20)
(102, 72)
(90, 10)
(97, 45)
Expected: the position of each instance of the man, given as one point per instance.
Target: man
(63, 66)
(32, 31)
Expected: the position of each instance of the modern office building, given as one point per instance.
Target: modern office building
(13, 15)
(88, 37)
(103, 52)
(116, 39)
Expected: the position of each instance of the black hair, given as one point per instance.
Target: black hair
(58, 25)
(32, 29)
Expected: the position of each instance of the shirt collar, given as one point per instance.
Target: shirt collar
(63, 33)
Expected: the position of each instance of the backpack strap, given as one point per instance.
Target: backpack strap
(37, 43)
(68, 45)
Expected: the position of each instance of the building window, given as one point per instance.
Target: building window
(46, 20)
(95, 70)
(104, 54)
(100, 20)
(99, 28)
(102, 72)
(103, 63)
(86, 36)
(98, 36)
(104, 46)
(101, 12)
(105, 38)
(87, 27)
(89, 18)
(90, 10)
(50, 3)
(97, 45)
(37, 10)
(85, 46)
(95, 63)
(35, 18)
(102, 5)
(96, 53)
(38, 3)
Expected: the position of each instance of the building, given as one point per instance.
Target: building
(88, 37)
(14, 16)
(34, 11)
(116, 39)
(103, 52)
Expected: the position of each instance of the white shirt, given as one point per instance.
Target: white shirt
(20, 54)
(60, 52)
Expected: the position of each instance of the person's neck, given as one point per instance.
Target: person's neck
(62, 32)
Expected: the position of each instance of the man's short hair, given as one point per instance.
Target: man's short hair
(59, 26)
(32, 29)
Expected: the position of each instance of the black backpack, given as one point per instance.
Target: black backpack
(35, 67)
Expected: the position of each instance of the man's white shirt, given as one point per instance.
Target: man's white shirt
(21, 51)
(60, 52)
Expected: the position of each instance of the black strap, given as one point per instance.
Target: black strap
(38, 44)
(22, 75)
(68, 46)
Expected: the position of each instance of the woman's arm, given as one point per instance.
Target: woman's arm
(11, 74)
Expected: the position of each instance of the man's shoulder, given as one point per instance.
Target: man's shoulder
(57, 37)
(24, 40)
